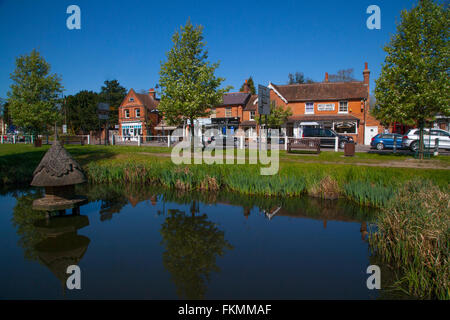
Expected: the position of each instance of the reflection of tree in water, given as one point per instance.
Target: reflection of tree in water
(192, 245)
(24, 218)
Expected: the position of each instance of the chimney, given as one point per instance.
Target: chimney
(366, 74)
(326, 76)
(152, 93)
(246, 88)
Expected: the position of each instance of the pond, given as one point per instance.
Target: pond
(134, 242)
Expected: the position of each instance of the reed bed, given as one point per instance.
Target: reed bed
(413, 236)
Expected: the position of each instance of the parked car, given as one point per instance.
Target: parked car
(386, 141)
(411, 139)
(327, 137)
(226, 140)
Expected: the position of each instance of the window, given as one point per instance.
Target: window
(309, 107)
(345, 127)
(131, 99)
(252, 115)
(228, 112)
(138, 113)
(343, 107)
(127, 113)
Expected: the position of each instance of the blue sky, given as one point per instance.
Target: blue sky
(127, 40)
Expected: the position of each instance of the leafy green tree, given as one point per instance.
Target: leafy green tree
(187, 81)
(277, 117)
(34, 94)
(113, 94)
(251, 85)
(192, 245)
(82, 111)
(414, 82)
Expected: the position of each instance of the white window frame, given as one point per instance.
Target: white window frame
(226, 113)
(309, 103)
(136, 111)
(339, 107)
(252, 115)
(127, 113)
(131, 99)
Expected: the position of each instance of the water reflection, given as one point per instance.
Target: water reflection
(191, 242)
(61, 246)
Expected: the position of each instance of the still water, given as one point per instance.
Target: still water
(151, 243)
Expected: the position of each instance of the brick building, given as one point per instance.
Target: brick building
(341, 106)
(138, 114)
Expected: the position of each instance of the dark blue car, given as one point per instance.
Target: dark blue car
(386, 141)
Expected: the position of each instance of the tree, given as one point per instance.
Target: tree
(250, 84)
(82, 111)
(298, 78)
(34, 94)
(188, 85)
(343, 75)
(414, 82)
(113, 94)
(277, 117)
(192, 245)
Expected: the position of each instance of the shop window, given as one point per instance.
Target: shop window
(309, 108)
(345, 127)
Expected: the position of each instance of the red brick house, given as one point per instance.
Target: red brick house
(138, 114)
(341, 106)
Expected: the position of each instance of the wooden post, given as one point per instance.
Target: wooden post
(336, 144)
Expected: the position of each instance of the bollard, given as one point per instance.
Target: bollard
(436, 147)
(285, 142)
(139, 141)
(14, 139)
(168, 141)
(336, 144)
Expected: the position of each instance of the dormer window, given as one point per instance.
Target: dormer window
(131, 99)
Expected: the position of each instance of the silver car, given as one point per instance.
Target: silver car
(411, 139)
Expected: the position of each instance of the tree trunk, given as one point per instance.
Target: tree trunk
(191, 133)
(421, 144)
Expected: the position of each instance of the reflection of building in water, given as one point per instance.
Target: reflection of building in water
(62, 245)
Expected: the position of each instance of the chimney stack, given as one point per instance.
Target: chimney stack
(366, 74)
(152, 93)
(246, 88)
(326, 76)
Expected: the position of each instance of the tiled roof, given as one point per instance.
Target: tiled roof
(148, 101)
(235, 98)
(323, 91)
(251, 105)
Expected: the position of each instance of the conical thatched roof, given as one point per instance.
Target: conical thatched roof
(57, 168)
